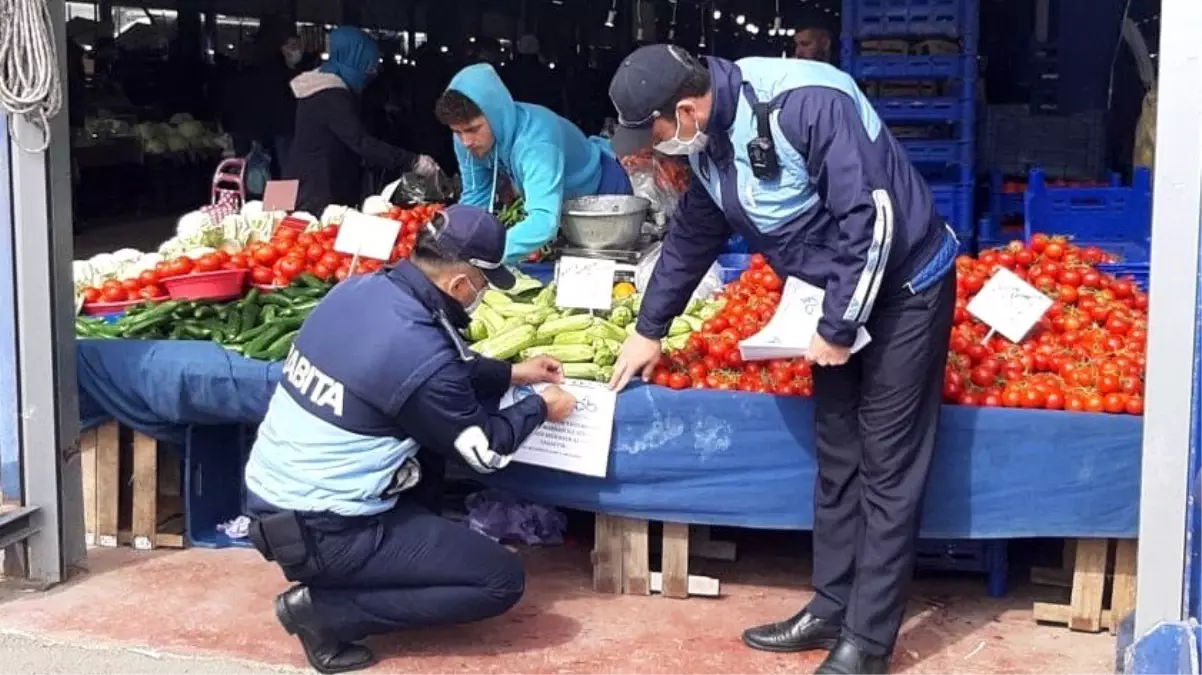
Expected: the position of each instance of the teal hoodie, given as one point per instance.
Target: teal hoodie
(547, 158)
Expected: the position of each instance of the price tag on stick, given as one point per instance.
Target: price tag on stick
(366, 236)
(585, 283)
(1009, 305)
(280, 195)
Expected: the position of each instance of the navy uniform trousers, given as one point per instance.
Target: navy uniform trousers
(405, 568)
(876, 421)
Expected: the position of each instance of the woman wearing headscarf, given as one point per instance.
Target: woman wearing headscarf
(331, 144)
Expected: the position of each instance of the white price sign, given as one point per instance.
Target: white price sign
(584, 283)
(367, 236)
(579, 444)
(1009, 305)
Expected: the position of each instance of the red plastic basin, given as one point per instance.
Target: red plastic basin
(219, 285)
(266, 288)
(110, 308)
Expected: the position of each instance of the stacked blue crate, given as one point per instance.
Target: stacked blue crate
(945, 155)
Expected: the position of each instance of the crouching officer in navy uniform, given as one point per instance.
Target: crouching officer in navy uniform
(378, 371)
(790, 155)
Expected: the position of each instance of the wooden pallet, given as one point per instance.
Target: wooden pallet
(1095, 562)
(622, 558)
(130, 497)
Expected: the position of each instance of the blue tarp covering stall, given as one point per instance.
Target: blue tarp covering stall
(702, 457)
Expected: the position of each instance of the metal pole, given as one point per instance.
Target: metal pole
(1172, 333)
(49, 427)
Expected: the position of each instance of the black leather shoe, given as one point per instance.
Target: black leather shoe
(294, 609)
(803, 632)
(848, 659)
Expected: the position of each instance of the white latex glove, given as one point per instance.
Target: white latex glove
(425, 166)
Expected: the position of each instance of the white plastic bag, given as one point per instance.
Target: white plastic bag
(710, 283)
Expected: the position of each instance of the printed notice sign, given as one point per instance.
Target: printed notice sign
(579, 444)
(584, 283)
(1009, 305)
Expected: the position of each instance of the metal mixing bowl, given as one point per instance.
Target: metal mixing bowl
(604, 222)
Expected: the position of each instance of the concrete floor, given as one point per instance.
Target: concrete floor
(201, 611)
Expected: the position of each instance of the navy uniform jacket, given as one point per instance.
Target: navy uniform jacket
(819, 220)
(377, 371)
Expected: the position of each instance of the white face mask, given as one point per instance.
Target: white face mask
(678, 147)
(292, 57)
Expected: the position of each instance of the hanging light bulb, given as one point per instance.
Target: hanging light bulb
(740, 19)
(717, 14)
(612, 15)
(791, 32)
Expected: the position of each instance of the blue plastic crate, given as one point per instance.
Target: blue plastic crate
(923, 109)
(214, 458)
(1136, 272)
(940, 152)
(1098, 214)
(543, 272)
(876, 18)
(986, 556)
(954, 202)
(732, 265)
(904, 67)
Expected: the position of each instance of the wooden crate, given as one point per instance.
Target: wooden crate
(622, 558)
(131, 495)
(1094, 605)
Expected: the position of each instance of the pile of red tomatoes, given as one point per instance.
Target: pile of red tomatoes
(711, 358)
(1087, 354)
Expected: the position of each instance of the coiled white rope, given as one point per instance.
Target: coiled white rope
(30, 84)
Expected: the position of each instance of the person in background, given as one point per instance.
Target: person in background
(487, 50)
(829, 198)
(274, 58)
(546, 158)
(377, 371)
(812, 43)
(531, 80)
(331, 144)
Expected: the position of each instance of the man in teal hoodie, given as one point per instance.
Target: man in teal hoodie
(546, 158)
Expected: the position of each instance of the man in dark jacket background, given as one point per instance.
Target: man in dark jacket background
(331, 144)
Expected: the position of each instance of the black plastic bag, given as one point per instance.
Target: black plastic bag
(414, 189)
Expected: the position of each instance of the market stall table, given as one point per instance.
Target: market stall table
(715, 458)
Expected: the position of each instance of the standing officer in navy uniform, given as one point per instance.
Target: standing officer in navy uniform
(377, 372)
(790, 155)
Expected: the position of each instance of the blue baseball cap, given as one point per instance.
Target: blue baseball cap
(476, 237)
(644, 84)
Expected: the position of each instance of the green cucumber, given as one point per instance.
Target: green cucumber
(264, 340)
(250, 317)
(251, 298)
(268, 314)
(279, 348)
(311, 281)
(203, 311)
(248, 335)
(233, 322)
(277, 299)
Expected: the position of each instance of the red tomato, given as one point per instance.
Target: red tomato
(114, 294)
(131, 285)
(180, 266)
(266, 256)
(261, 275)
(321, 271)
(678, 381)
(208, 262)
(314, 253)
(148, 278)
(91, 295)
(239, 261)
(151, 292)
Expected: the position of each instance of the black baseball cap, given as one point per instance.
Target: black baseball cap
(477, 238)
(646, 82)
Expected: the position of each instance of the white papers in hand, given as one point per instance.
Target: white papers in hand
(792, 328)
